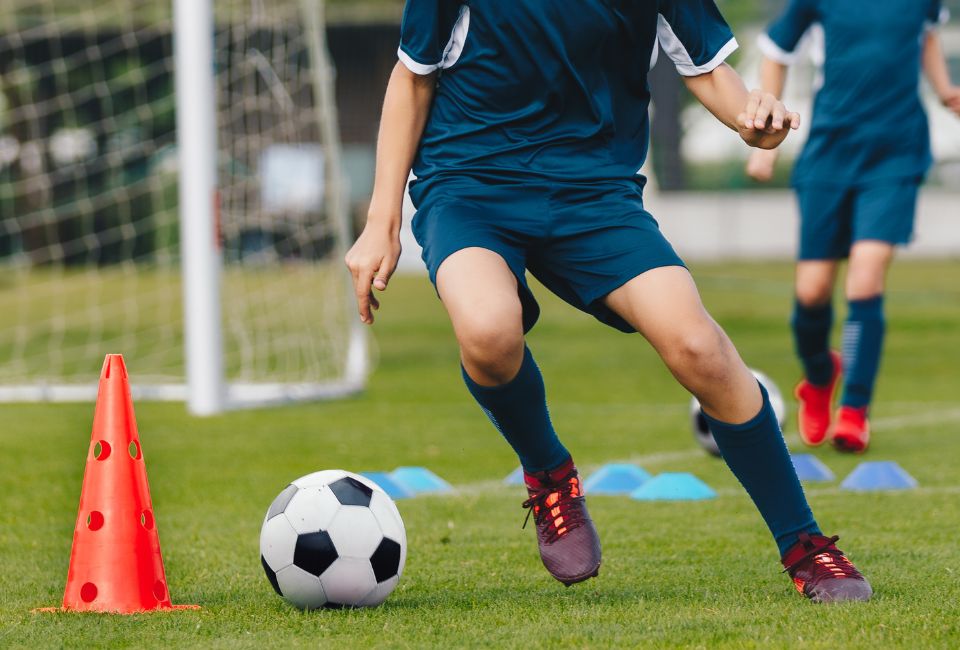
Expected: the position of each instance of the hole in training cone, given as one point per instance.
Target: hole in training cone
(115, 562)
(95, 520)
(101, 450)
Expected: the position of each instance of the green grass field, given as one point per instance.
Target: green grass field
(675, 575)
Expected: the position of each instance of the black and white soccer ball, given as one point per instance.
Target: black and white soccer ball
(701, 432)
(333, 539)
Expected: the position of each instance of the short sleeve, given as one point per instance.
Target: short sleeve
(937, 14)
(427, 33)
(694, 35)
(779, 43)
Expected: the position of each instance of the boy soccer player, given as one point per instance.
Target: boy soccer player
(526, 123)
(856, 183)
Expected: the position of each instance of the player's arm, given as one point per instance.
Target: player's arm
(779, 43)
(374, 256)
(938, 74)
(759, 117)
(773, 79)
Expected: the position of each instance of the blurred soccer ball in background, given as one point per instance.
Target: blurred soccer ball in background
(333, 539)
(701, 432)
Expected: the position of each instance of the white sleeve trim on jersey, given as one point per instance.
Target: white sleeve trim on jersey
(942, 19)
(458, 38)
(774, 52)
(451, 53)
(415, 67)
(675, 49)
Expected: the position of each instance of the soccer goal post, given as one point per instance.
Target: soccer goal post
(171, 189)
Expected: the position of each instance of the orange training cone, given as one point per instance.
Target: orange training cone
(115, 563)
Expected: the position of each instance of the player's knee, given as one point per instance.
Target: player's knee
(814, 294)
(492, 345)
(863, 285)
(700, 350)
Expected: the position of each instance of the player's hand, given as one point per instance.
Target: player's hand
(765, 122)
(761, 163)
(951, 99)
(372, 260)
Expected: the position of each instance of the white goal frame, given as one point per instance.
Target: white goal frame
(206, 390)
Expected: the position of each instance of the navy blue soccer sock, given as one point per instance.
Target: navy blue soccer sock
(862, 346)
(811, 335)
(758, 457)
(519, 411)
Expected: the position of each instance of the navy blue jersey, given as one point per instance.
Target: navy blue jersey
(868, 121)
(552, 89)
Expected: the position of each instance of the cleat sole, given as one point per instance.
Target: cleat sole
(848, 446)
(843, 591)
(572, 581)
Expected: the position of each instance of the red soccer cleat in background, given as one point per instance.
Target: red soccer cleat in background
(852, 430)
(816, 404)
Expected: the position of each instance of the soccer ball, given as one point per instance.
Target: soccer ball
(701, 432)
(333, 539)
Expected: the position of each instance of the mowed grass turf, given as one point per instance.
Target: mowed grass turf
(675, 574)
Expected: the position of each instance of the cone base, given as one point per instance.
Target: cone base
(54, 610)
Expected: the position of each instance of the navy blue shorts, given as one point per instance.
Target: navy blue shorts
(580, 241)
(833, 218)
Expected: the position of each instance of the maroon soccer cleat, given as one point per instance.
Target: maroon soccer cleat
(568, 541)
(822, 573)
(852, 430)
(813, 412)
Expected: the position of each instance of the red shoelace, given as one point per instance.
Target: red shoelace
(828, 562)
(555, 506)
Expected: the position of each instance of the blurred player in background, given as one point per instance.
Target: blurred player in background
(526, 124)
(856, 182)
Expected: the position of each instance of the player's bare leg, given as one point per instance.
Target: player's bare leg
(663, 304)
(867, 270)
(812, 321)
(814, 281)
(479, 291)
(862, 341)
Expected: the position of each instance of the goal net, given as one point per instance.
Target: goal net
(90, 233)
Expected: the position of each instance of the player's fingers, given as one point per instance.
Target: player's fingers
(383, 275)
(374, 303)
(351, 265)
(362, 287)
(750, 112)
(764, 110)
(776, 117)
(792, 120)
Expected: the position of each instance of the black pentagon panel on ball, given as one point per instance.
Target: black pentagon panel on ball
(271, 575)
(280, 503)
(351, 492)
(315, 552)
(386, 560)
